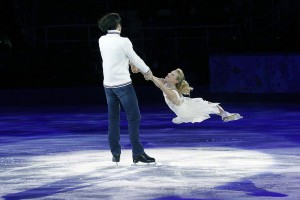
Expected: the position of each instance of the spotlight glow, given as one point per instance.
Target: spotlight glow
(179, 171)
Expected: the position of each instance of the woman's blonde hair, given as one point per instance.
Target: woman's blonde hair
(182, 86)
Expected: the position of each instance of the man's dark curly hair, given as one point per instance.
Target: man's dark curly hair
(109, 22)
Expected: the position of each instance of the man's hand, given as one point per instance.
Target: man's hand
(134, 69)
(148, 75)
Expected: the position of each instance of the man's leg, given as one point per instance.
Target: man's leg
(130, 104)
(113, 105)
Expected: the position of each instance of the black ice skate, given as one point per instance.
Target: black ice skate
(116, 158)
(143, 158)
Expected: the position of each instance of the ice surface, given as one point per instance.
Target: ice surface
(50, 155)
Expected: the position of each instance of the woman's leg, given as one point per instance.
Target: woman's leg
(226, 116)
(223, 113)
(221, 110)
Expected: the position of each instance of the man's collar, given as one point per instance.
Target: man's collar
(113, 32)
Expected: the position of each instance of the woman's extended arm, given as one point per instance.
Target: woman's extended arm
(160, 83)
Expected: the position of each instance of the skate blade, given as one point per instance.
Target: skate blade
(141, 164)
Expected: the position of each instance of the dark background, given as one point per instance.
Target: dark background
(54, 43)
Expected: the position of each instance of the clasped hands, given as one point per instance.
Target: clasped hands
(148, 75)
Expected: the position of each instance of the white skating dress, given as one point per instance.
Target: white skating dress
(191, 110)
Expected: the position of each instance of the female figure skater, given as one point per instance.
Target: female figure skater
(187, 109)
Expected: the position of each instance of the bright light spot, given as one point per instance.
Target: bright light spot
(178, 172)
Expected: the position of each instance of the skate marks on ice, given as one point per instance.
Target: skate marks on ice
(91, 174)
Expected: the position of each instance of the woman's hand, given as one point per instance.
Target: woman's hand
(148, 75)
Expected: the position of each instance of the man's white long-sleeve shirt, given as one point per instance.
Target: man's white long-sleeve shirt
(116, 52)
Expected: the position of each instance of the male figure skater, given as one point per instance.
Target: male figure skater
(117, 52)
